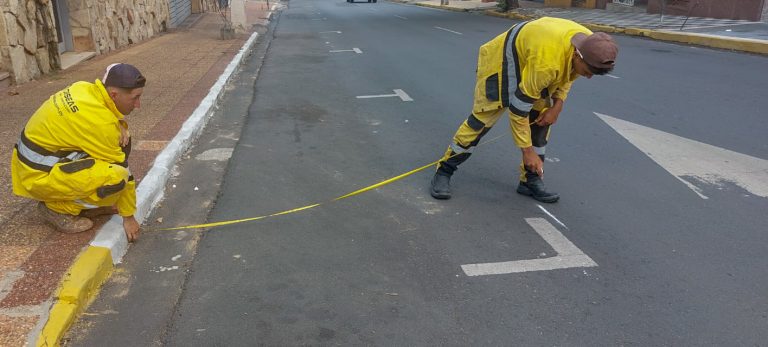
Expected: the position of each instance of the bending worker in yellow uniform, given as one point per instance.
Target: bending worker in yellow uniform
(72, 153)
(528, 69)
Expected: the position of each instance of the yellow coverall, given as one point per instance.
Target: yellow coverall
(69, 153)
(521, 69)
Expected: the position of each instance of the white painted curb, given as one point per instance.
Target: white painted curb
(151, 189)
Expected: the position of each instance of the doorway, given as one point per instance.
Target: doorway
(63, 31)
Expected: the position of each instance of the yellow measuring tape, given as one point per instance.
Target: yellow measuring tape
(359, 191)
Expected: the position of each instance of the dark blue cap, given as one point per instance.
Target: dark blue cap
(123, 76)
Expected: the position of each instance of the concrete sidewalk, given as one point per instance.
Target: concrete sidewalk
(731, 34)
(36, 262)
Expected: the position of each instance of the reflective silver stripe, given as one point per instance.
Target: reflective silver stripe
(45, 160)
(458, 149)
(37, 158)
(512, 74)
(85, 204)
(519, 104)
(540, 150)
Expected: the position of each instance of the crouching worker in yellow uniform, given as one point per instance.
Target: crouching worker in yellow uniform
(71, 155)
(528, 69)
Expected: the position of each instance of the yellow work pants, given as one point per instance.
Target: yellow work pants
(478, 124)
(82, 184)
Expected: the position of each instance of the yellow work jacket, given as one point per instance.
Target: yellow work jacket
(81, 119)
(530, 61)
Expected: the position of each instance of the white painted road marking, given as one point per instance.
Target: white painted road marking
(612, 76)
(688, 158)
(398, 93)
(401, 17)
(450, 31)
(552, 216)
(356, 50)
(332, 31)
(319, 18)
(568, 255)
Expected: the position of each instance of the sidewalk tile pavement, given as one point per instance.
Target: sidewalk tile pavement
(180, 66)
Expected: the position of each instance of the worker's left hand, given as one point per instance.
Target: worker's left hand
(548, 116)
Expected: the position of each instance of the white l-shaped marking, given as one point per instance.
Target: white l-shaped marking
(568, 255)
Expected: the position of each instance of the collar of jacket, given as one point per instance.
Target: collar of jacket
(107, 99)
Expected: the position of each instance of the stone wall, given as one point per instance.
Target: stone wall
(28, 40)
(105, 25)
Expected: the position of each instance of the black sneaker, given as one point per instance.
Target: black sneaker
(441, 187)
(535, 188)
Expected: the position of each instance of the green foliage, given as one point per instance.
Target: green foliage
(502, 5)
(506, 5)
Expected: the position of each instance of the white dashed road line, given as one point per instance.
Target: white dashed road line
(356, 50)
(450, 31)
(398, 93)
(401, 17)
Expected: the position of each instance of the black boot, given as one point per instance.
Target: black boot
(441, 186)
(535, 188)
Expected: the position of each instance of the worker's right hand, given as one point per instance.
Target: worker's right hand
(125, 136)
(532, 162)
(131, 227)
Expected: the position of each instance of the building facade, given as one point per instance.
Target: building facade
(34, 34)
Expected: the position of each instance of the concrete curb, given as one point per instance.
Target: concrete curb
(151, 189)
(713, 41)
(94, 265)
(440, 7)
(79, 286)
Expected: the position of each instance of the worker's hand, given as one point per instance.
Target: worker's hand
(131, 227)
(125, 135)
(549, 116)
(532, 162)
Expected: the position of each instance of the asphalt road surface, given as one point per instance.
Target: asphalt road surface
(659, 237)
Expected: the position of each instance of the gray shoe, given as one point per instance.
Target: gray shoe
(64, 223)
(536, 189)
(441, 187)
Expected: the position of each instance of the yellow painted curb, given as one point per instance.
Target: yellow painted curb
(515, 15)
(732, 43)
(79, 286)
(603, 28)
(494, 13)
(739, 44)
(449, 8)
(637, 32)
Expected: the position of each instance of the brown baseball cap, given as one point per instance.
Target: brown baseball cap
(599, 49)
(123, 76)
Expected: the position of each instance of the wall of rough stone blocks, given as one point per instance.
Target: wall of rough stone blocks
(111, 24)
(28, 40)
